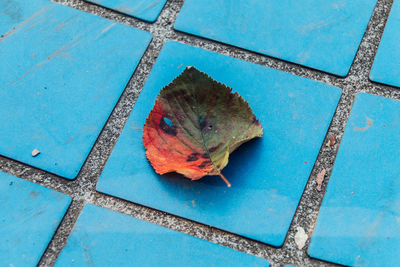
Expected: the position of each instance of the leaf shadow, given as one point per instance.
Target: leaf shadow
(212, 189)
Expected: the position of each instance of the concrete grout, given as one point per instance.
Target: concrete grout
(357, 81)
(59, 239)
(83, 189)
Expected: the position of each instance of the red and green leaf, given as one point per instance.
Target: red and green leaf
(195, 124)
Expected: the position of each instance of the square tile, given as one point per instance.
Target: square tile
(359, 221)
(103, 237)
(29, 217)
(147, 10)
(386, 67)
(323, 35)
(62, 72)
(268, 175)
(13, 13)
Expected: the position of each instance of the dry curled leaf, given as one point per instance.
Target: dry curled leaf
(35, 152)
(332, 141)
(195, 124)
(320, 179)
(300, 237)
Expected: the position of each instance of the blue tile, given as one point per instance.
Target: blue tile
(386, 67)
(29, 217)
(324, 35)
(359, 221)
(13, 13)
(62, 72)
(103, 237)
(268, 175)
(147, 10)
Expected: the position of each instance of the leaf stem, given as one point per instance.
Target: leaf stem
(225, 180)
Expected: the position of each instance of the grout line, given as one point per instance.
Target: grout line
(83, 188)
(308, 208)
(60, 237)
(35, 175)
(163, 27)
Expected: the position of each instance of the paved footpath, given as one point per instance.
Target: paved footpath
(321, 188)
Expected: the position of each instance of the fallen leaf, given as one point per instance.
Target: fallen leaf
(332, 141)
(300, 237)
(35, 152)
(328, 144)
(320, 178)
(195, 124)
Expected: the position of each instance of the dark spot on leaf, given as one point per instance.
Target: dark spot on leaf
(255, 121)
(171, 130)
(175, 94)
(180, 117)
(193, 157)
(205, 156)
(204, 164)
(214, 148)
(205, 125)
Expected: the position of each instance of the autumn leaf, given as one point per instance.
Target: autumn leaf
(195, 124)
(320, 179)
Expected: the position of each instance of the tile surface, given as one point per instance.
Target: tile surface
(13, 13)
(324, 35)
(103, 237)
(147, 10)
(386, 67)
(75, 67)
(29, 217)
(268, 175)
(359, 221)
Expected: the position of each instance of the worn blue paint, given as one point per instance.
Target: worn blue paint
(14, 12)
(103, 237)
(386, 67)
(359, 221)
(320, 34)
(268, 174)
(147, 10)
(62, 72)
(29, 217)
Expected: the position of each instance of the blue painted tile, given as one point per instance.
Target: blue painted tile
(147, 10)
(29, 217)
(142, 243)
(13, 13)
(268, 175)
(62, 72)
(324, 35)
(386, 67)
(359, 221)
